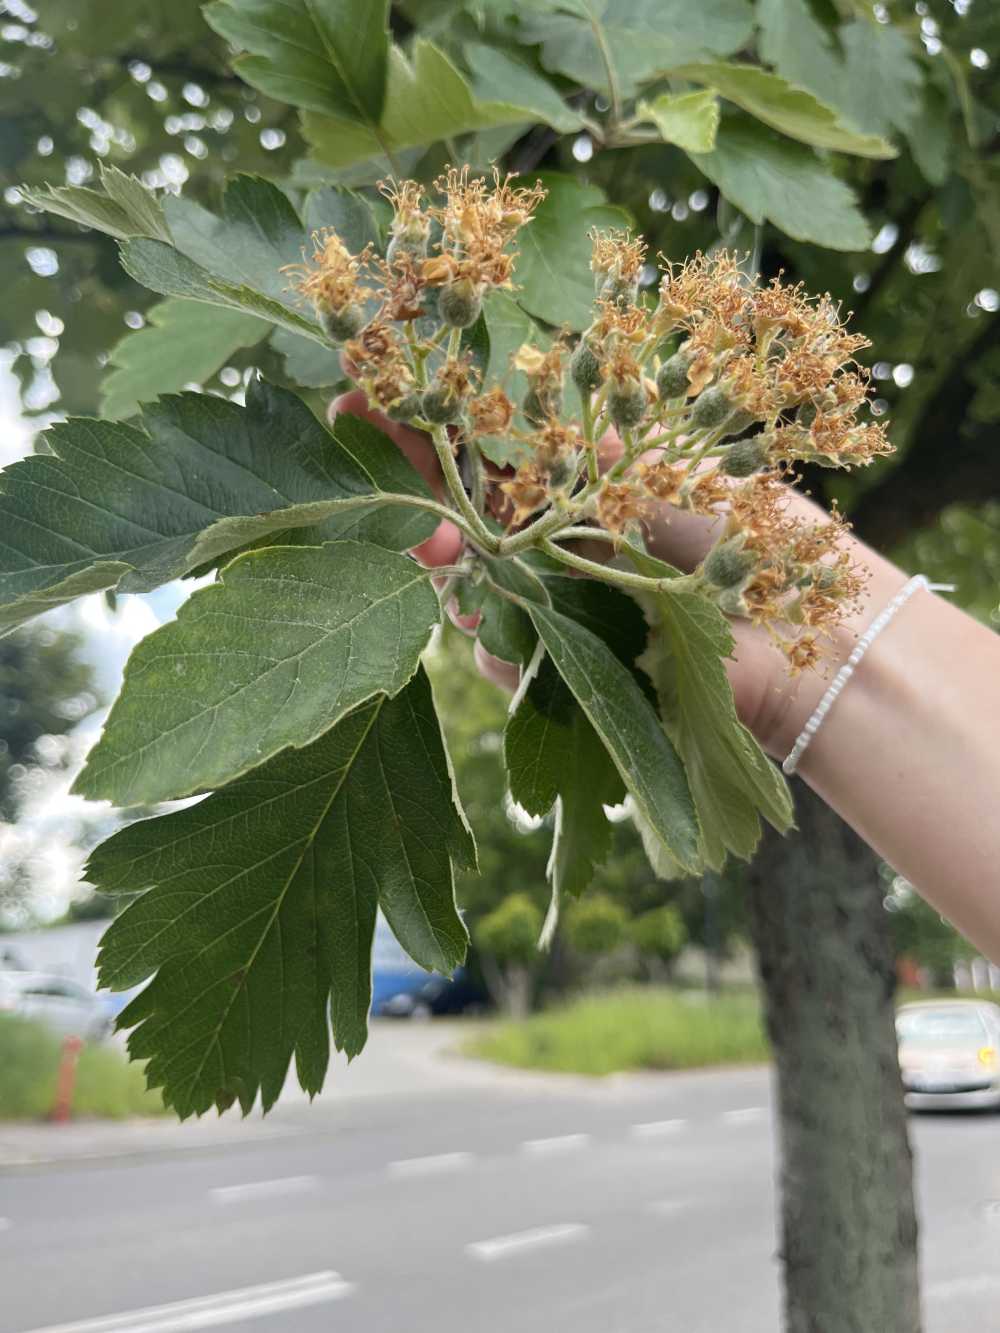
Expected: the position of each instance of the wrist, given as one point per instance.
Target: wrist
(786, 703)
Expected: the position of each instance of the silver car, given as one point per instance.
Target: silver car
(949, 1054)
(59, 1002)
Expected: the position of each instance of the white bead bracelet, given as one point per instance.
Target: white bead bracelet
(847, 670)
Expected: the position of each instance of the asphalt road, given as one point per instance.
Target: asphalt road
(485, 1205)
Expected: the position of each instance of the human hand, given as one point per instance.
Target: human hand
(771, 702)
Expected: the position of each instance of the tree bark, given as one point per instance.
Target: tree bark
(848, 1222)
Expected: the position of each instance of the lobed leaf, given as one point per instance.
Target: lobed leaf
(780, 104)
(183, 341)
(126, 208)
(770, 179)
(329, 57)
(287, 643)
(116, 505)
(690, 120)
(259, 903)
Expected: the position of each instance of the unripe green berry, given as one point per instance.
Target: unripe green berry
(626, 404)
(728, 564)
(744, 457)
(404, 244)
(584, 367)
(404, 409)
(711, 409)
(459, 304)
(732, 602)
(671, 378)
(439, 406)
(339, 325)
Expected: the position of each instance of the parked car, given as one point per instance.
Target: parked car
(402, 989)
(949, 1054)
(59, 1002)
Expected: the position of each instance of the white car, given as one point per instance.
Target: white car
(949, 1054)
(59, 1002)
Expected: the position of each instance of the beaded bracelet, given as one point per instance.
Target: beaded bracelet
(850, 666)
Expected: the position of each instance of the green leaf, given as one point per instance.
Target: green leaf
(260, 903)
(553, 268)
(329, 56)
(286, 644)
(240, 257)
(425, 101)
(508, 327)
(690, 120)
(183, 341)
(791, 110)
(801, 49)
(163, 269)
(310, 364)
(256, 235)
(882, 89)
(929, 136)
(623, 718)
(555, 757)
(498, 76)
(126, 208)
(638, 39)
(732, 780)
(133, 506)
(770, 179)
(505, 630)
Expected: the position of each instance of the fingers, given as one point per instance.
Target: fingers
(411, 443)
(501, 673)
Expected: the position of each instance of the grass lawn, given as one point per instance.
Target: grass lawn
(106, 1084)
(635, 1028)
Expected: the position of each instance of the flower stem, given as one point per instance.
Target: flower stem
(473, 524)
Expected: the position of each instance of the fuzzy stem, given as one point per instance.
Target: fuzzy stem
(624, 578)
(481, 535)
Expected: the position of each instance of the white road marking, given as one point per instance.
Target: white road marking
(499, 1247)
(223, 1308)
(561, 1143)
(425, 1166)
(665, 1207)
(655, 1129)
(745, 1115)
(264, 1189)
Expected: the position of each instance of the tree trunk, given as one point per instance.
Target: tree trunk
(848, 1222)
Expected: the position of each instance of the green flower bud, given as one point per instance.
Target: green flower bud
(728, 564)
(459, 304)
(626, 404)
(406, 244)
(671, 378)
(745, 457)
(619, 291)
(339, 325)
(584, 367)
(711, 409)
(738, 422)
(541, 403)
(439, 406)
(732, 602)
(404, 409)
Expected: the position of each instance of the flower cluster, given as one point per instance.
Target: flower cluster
(709, 394)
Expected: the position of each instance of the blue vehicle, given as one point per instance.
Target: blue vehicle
(402, 989)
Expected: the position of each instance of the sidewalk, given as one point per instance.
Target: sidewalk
(401, 1060)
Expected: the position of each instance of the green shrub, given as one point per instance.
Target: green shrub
(510, 932)
(596, 925)
(106, 1085)
(634, 1028)
(659, 934)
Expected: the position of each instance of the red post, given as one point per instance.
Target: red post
(66, 1079)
